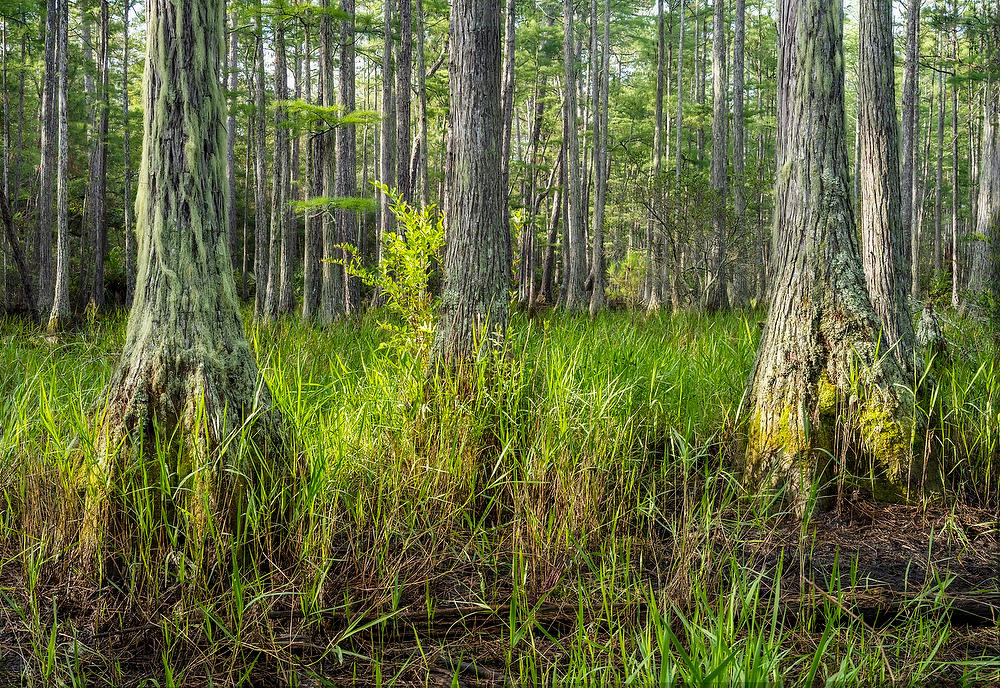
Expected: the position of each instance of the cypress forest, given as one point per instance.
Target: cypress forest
(499, 342)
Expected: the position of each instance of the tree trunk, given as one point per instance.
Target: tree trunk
(404, 78)
(885, 244)
(939, 179)
(956, 244)
(422, 173)
(907, 188)
(576, 250)
(60, 314)
(654, 246)
(186, 364)
(741, 285)
(347, 159)
(474, 308)
(598, 299)
(46, 169)
(286, 292)
(387, 161)
(332, 300)
(279, 175)
(821, 326)
(261, 263)
(984, 273)
(127, 167)
(716, 295)
(98, 171)
(311, 266)
(675, 281)
(546, 294)
(231, 150)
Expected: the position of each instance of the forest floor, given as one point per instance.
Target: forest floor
(577, 519)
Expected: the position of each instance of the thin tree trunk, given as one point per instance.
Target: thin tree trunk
(716, 294)
(956, 244)
(654, 245)
(387, 162)
(231, 150)
(741, 286)
(347, 161)
(43, 244)
(576, 250)
(60, 315)
(938, 182)
(909, 133)
(547, 294)
(422, 172)
(313, 250)
(598, 299)
(127, 167)
(99, 171)
(332, 298)
(261, 242)
(675, 288)
(404, 77)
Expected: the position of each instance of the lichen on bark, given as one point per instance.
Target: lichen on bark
(825, 394)
(187, 378)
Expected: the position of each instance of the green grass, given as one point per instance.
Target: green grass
(576, 518)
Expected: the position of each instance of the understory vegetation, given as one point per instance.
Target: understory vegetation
(569, 514)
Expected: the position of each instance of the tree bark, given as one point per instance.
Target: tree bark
(908, 182)
(347, 159)
(716, 294)
(279, 185)
(404, 78)
(956, 244)
(939, 179)
(46, 169)
(60, 314)
(821, 325)
(313, 250)
(654, 245)
(261, 242)
(984, 273)
(576, 250)
(598, 299)
(885, 244)
(474, 306)
(186, 364)
(127, 166)
(332, 299)
(741, 283)
(387, 160)
(98, 171)
(231, 150)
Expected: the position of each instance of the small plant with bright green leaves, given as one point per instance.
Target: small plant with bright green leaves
(403, 276)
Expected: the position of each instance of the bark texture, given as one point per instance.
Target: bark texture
(716, 294)
(908, 182)
(885, 243)
(984, 273)
(60, 314)
(186, 365)
(821, 325)
(474, 303)
(576, 250)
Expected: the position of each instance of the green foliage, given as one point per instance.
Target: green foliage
(625, 279)
(403, 276)
(354, 204)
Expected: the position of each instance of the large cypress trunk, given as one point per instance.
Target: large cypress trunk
(821, 327)
(474, 306)
(885, 243)
(186, 365)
